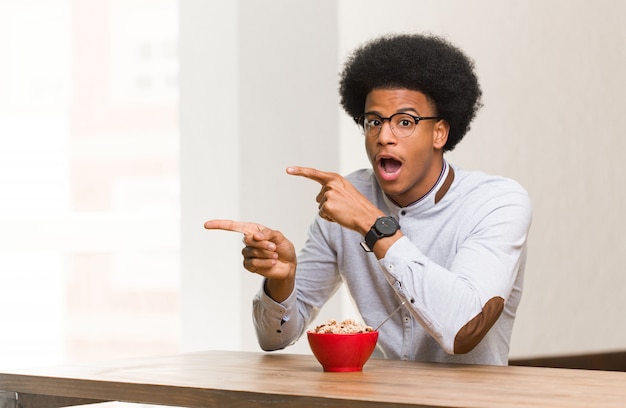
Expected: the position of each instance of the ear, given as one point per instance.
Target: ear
(440, 133)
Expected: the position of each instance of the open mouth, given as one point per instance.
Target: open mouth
(390, 166)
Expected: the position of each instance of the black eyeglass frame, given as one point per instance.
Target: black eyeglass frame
(360, 121)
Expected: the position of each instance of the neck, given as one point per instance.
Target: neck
(436, 177)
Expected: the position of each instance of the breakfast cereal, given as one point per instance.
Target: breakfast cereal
(348, 326)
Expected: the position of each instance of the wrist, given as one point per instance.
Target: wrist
(279, 289)
(367, 223)
(383, 227)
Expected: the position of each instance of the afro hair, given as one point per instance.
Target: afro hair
(424, 63)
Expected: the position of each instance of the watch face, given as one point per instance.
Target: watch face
(386, 225)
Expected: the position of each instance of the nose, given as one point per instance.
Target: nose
(386, 135)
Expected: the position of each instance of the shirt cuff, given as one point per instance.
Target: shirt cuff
(275, 310)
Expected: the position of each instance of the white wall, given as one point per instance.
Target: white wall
(245, 67)
(554, 91)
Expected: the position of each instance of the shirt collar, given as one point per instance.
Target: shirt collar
(436, 193)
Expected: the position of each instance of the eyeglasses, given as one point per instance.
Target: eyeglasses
(401, 124)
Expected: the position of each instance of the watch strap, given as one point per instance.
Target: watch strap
(373, 235)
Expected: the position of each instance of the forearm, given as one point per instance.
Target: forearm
(456, 309)
(279, 289)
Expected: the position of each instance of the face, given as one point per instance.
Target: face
(406, 168)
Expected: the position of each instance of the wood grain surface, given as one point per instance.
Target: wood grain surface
(249, 379)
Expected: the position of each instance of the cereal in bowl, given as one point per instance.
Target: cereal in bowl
(348, 326)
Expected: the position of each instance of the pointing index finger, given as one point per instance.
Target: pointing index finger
(321, 177)
(231, 225)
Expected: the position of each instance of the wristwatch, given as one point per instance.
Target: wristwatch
(383, 227)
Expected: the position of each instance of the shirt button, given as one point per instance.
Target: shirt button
(403, 212)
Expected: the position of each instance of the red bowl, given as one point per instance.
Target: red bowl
(342, 352)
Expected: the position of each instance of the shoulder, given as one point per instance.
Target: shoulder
(472, 182)
(485, 192)
(364, 181)
(361, 176)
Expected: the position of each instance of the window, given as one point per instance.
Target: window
(89, 202)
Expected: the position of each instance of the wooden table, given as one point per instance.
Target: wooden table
(247, 379)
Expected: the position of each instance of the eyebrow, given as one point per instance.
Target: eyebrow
(401, 110)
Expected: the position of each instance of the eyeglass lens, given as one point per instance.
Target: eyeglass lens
(402, 124)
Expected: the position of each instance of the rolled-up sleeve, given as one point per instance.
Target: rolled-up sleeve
(272, 321)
